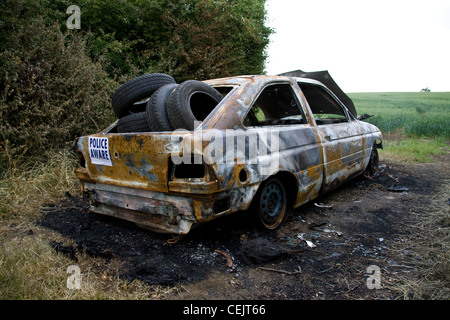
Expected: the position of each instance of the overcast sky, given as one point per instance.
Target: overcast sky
(366, 45)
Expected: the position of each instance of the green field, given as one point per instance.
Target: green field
(416, 114)
(415, 124)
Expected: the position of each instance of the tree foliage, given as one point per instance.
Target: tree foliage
(186, 38)
(56, 83)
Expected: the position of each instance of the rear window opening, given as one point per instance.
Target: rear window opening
(201, 105)
(223, 90)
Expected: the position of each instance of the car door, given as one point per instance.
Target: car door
(341, 137)
(278, 112)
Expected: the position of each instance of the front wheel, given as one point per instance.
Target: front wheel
(271, 203)
(372, 167)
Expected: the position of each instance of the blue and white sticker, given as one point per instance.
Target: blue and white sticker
(99, 151)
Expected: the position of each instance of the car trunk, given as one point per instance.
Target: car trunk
(136, 160)
(127, 176)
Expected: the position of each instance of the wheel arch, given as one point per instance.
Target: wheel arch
(290, 183)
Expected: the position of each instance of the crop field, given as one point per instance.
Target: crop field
(421, 114)
(416, 125)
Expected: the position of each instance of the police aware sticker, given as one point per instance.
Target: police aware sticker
(99, 151)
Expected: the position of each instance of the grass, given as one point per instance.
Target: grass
(24, 188)
(428, 249)
(419, 121)
(414, 149)
(31, 269)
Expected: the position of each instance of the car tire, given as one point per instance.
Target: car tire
(156, 109)
(191, 101)
(137, 90)
(136, 122)
(270, 204)
(372, 166)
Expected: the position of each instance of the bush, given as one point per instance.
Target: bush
(50, 90)
(56, 83)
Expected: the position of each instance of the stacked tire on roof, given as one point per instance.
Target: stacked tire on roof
(155, 102)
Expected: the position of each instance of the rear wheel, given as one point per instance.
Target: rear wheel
(271, 203)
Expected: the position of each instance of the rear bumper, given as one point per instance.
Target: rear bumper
(162, 212)
(156, 211)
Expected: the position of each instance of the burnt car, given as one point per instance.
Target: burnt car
(265, 144)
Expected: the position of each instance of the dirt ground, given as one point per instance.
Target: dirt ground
(322, 251)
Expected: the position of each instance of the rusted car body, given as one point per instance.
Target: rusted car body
(265, 127)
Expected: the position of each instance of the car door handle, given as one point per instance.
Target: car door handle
(327, 138)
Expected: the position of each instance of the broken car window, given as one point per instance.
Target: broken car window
(325, 108)
(276, 105)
